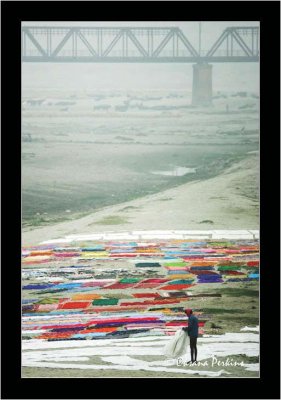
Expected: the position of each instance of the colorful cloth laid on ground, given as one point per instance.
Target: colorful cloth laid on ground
(36, 259)
(209, 278)
(254, 276)
(175, 287)
(178, 272)
(129, 280)
(126, 289)
(175, 264)
(181, 276)
(34, 286)
(229, 268)
(94, 248)
(253, 263)
(231, 272)
(63, 254)
(105, 302)
(40, 252)
(75, 304)
(85, 296)
(120, 286)
(146, 265)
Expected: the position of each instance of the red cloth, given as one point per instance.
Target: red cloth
(94, 330)
(253, 263)
(120, 286)
(74, 304)
(121, 320)
(232, 273)
(175, 287)
(176, 323)
(154, 280)
(119, 255)
(117, 308)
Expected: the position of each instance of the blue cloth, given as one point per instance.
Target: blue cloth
(254, 276)
(26, 301)
(43, 286)
(93, 248)
(192, 328)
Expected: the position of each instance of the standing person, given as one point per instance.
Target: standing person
(192, 331)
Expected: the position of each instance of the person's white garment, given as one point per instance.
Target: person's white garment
(177, 346)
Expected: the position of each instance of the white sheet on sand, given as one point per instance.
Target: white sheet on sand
(217, 349)
(251, 328)
(177, 345)
(121, 353)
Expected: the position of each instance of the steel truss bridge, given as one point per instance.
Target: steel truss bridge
(132, 44)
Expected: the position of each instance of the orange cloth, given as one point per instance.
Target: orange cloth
(85, 296)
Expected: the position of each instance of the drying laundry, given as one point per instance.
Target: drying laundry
(99, 290)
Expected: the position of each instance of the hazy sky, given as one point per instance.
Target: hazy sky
(227, 76)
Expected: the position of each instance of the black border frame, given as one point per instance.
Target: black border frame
(265, 387)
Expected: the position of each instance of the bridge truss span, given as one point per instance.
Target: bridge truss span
(134, 44)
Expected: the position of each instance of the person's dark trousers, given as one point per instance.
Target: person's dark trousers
(193, 348)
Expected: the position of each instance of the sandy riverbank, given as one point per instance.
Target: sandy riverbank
(227, 201)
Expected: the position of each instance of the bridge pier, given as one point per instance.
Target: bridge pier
(202, 85)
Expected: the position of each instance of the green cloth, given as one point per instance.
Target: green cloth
(105, 302)
(181, 282)
(228, 268)
(221, 244)
(175, 264)
(129, 280)
(50, 300)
